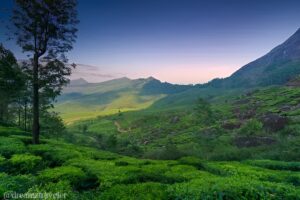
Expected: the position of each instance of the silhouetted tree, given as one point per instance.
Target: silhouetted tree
(11, 82)
(47, 30)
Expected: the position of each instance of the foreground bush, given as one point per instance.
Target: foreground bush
(9, 146)
(143, 191)
(277, 165)
(23, 163)
(19, 184)
(234, 188)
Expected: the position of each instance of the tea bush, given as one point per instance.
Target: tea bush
(276, 165)
(23, 163)
(65, 173)
(9, 146)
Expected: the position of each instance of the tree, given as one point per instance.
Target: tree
(47, 30)
(204, 112)
(11, 81)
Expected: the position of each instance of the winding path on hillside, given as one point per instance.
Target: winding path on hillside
(119, 128)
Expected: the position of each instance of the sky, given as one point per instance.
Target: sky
(178, 41)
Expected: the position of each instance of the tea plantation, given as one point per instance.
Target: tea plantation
(88, 173)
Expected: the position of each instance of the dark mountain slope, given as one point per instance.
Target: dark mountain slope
(275, 68)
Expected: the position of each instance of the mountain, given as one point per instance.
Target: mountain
(275, 68)
(78, 82)
(81, 99)
(85, 100)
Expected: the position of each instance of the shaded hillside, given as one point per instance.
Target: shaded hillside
(275, 68)
(154, 86)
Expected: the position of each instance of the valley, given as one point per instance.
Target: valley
(145, 116)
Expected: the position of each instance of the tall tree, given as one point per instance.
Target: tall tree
(11, 81)
(47, 30)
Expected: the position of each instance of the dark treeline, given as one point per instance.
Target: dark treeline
(16, 96)
(45, 30)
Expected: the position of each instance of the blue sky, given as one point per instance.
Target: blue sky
(179, 41)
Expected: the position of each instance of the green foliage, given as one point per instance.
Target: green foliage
(193, 161)
(252, 127)
(275, 165)
(65, 173)
(23, 163)
(87, 173)
(52, 125)
(2, 159)
(169, 152)
(59, 190)
(143, 191)
(12, 82)
(231, 188)
(53, 154)
(18, 183)
(204, 112)
(6, 131)
(9, 146)
(121, 163)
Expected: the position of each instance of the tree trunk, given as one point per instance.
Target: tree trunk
(25, 116)
(1, 112)
(19, 111)
(36, 123)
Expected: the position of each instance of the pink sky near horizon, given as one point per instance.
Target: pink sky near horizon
(179, 74)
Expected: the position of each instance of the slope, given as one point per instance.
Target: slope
(81, 100)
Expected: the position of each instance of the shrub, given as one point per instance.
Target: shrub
(7, 131)
(78, 178)
(234, 188)
(67, 173)
(143, 176)
(193, 161)
(55, 155)
(141, 191)
(9, 146)
(2, 159)
(19, 184)
(121, 163)
(277, 165)
(59, 190)
(22, 164)
(170, 152)
(252, 127)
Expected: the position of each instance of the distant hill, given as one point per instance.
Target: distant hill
(81, 99)
(78, 82)
(84, 100)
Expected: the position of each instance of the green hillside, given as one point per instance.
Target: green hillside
(82, 100)
(258, 124)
